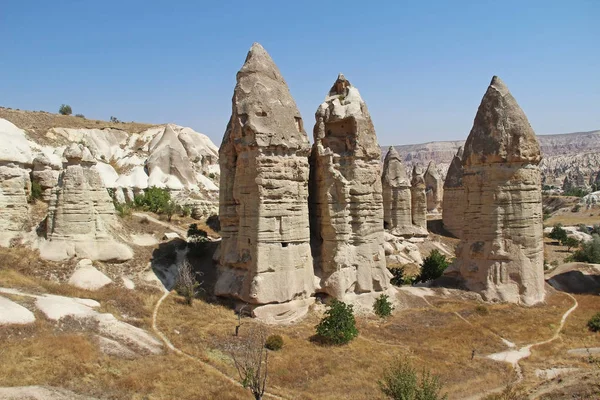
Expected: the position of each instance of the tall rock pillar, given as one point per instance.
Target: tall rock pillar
(501, 252)
(346, 197)
(418, 199)
(453, 207)
(265, 254)
(396, 193)
(434, 188)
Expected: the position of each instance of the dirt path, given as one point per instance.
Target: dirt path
(206, 365)
(174, 228)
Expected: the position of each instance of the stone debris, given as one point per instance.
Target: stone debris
(264, 254)
(454, 197)
(81, 215)
(501, 252)
(346, 197)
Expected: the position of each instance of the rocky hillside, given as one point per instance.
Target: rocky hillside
(564, 154)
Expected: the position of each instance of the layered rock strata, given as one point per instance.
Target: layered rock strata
(15, 186)
(418, 199)
(265, 254)
(434, 188)
(46, 170)
(501, 251)
(81, 214)
(346, 197)
(454, 197)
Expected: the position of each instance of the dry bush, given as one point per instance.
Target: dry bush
(186, 283)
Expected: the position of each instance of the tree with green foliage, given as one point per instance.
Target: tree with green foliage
(589, 252)
(594, 323)
(169, 209)
(570, 242)
(382, 306)
(338, 326)
(154, 199)
(558, 233)
(400, 382)
(433, 266)
(65, 109)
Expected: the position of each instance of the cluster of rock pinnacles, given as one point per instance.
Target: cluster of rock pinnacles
(298, 220)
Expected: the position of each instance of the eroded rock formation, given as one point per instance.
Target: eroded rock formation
(81, 215)
(501, 251)
(15, 186)
(396, 193)
(46, 170)
(418, 199)
(454, 197)
(433, 188)
(265, 252)
(346, 197)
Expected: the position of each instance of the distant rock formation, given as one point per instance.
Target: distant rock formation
(81, 214)
(501, 251)
(434, 188)
(454, 197)
(418, 199)
(15, 186)
(575, 180)
(346, 197)
(265, 254)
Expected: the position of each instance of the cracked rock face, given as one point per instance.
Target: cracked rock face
(265, 254)
(434, 188)
(418, 199)
(346, 197)
(454, 197)
(81, 214)
(501, 251)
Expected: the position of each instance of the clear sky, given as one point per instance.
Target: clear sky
(421, 66)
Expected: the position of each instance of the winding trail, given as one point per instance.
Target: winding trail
(206, 365)
(174, 228)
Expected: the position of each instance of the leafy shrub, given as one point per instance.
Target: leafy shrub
(570, 242)
(582, 228)
(80, 115)
(558, 233)
(274, 342)
(382, 306)
(433, 266)
(36, 192)
(589, 252)
(124, 210)
(594, 323)
(338, 326)
(482, 310)
(400, 382)
(169, 209)
(154, 199)
(114, 119)
(65, 109)
(186, 211)
(577, 192)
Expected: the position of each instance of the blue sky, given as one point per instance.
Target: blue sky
(421, 66)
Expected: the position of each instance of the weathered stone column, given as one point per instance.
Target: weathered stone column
(418, 199)
(453, 208)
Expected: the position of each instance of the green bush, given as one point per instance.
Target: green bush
(382, 306)
(400, 382)
(577, 192)
(154, 199)
(558, 233)
(482, 310)
(186, 211)
(594, 323)
(570, 242)
(589, 252)
(65, 109)
(433, 266)
(80, 116)
(274, 342)
(338, 326)
(123, 210)
(36, 192)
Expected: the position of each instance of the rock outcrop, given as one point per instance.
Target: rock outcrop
(265, 254)
(15, 186)
(454, 197)
(418, 199)
(81, 214)
(575, 179)
(434, 188)
(46, 170)
(346, 197)
(501, 249)
(396, 193)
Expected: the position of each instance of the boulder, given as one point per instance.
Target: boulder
(264, 254)
(86, 276)
(13, 313)
(81, 215)
(501, 253)
(454, 197)
(346, 197)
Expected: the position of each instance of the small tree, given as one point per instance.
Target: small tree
(338, 326)
(382, 306)
(169, 209)
(251, 359)
(433, 266)
(589, 252)
(558, 233)
(186, 283)
(594, 323)
(570, 242)
(65, 109)
(400, 382)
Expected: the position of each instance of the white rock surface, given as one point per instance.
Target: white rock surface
(13, 313)
(86, 276)
(39, 393)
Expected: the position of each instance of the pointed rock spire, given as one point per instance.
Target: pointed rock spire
(501, 132)
(455, 172)
(394, 173)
